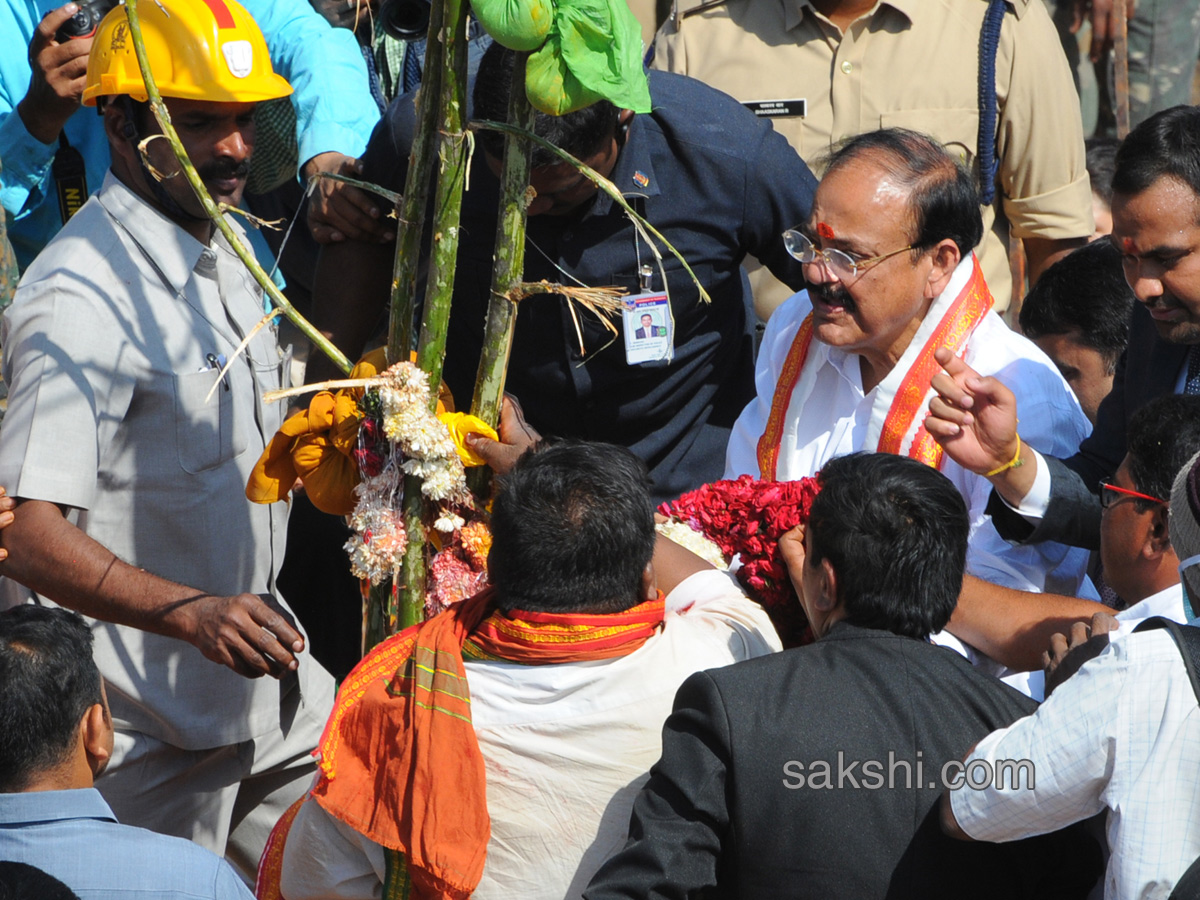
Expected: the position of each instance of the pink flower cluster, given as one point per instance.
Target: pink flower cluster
(746, 518)
(458, 570)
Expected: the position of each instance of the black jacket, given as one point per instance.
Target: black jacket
(723, 815)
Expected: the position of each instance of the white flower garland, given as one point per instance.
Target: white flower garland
(377, 548)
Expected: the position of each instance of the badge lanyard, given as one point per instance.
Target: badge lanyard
(649, 322)
(646, 342)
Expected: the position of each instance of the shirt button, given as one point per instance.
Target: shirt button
(847, 67)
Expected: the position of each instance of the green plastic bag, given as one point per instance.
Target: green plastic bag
(584, 51)
(594, 51)
(516, 24)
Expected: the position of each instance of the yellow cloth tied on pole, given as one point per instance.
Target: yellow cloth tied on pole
(317, 445)
(592, 51)
(460, 425)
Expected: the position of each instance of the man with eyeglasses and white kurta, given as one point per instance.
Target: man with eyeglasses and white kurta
(846, 365)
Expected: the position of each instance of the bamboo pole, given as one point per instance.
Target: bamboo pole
(509, 267)
(453, 161)
(416, 193)
(214, 212)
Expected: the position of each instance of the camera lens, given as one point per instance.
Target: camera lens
(85, 22)
(79, 25)
(405, 20)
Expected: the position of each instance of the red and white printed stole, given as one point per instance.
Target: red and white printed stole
(898, 412)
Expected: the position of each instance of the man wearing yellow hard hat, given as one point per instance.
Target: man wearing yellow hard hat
(128, 448)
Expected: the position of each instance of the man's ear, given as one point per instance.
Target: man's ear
(1158, 538)
(827, 580)
(946, 257)
(97, 733)
(120, 131)
(649, 582)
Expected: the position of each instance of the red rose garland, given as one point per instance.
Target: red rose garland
(746, 518)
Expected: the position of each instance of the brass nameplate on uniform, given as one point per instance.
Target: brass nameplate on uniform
(777, 108)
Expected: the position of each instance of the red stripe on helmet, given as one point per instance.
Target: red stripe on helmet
(219, 10)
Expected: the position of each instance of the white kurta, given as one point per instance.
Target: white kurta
(566, 749)
(839, 418)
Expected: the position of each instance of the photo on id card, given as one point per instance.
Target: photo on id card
(649, 328)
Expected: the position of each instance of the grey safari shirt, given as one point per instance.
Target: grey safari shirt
(109, 353)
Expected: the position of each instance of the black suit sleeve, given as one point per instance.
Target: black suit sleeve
(1147, 369)
(1072, 515)
(681, 817)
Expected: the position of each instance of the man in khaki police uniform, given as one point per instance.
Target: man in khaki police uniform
(824, 70)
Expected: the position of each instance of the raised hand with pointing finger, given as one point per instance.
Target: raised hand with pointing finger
(975, 420)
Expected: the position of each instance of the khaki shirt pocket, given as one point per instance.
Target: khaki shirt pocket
(206, 432)
(955, 129)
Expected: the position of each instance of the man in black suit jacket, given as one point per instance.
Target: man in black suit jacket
(1156, 226)
(815, 774)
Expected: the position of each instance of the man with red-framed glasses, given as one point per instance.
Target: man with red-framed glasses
(1140, 564)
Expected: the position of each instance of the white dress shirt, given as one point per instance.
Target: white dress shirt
(566, 749)
(1122, 734)
(840, 418)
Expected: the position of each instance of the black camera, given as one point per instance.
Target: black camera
(405, 20)
(85, 21)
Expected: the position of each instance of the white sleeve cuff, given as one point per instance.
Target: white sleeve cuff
(1033, 505)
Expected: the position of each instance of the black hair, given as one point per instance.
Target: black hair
(572, 530)
(21, 881)
(1163, 436)
(582, 133)
(48, 681)
(1084, 290)
(1101, 162)
(1166, 145)
(943, 198)
(895, 532)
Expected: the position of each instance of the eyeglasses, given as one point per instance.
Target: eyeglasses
(1111, 493)
(840, 263)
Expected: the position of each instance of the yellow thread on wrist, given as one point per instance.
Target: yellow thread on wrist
(1014, 463)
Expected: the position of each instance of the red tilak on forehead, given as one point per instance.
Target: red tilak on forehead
(824, 231)
(1127, 245)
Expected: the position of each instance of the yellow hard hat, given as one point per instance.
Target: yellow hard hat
(197, 49)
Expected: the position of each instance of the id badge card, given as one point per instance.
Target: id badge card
(649, 328)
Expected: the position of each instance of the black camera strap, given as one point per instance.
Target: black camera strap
(70, 178)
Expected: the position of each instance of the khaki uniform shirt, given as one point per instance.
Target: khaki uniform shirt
(109, 350)
(912, 64)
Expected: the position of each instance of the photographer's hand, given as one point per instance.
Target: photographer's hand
(58, 77)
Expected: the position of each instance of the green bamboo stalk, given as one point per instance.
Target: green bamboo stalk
(454, 146)
(453, 162)
(510, 255)
(406, 602)
(416, 194)
(281, 303)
